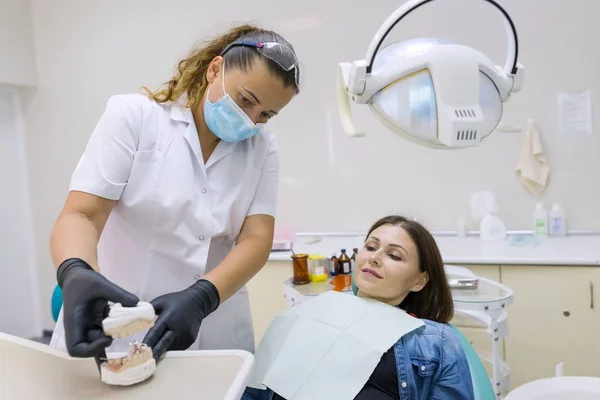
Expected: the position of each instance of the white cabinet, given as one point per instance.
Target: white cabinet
(555, 317)
(266, 295)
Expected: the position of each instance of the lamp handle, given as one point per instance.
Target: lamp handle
(510, 66)
(344, 107)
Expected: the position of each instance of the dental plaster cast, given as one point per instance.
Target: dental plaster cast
(137, 366)
(125, 321)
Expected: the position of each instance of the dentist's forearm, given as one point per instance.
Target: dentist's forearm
(245, 260)
(78, 228)
(74, 236)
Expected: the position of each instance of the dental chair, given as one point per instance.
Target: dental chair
(482, 387)
(56, 302)
(558, 388)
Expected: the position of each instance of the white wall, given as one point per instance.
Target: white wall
(19, 282)
(17, 54)
(19, 289)
(87, 51)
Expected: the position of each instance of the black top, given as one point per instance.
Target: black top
(383, 383)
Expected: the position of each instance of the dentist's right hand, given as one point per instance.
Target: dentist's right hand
(86, 294)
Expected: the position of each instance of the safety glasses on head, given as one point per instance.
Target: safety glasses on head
(279, 53)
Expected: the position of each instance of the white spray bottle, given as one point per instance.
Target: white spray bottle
(558, 226)
(491, 228)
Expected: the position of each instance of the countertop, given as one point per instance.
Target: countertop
(569, 250)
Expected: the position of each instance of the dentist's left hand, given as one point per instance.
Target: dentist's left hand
(179, 317)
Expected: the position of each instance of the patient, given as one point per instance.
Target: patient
(400, 264)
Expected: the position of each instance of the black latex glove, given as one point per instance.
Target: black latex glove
(86, 294)
(179, 317)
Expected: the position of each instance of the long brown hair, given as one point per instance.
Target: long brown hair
(190, 75)
(434, 301)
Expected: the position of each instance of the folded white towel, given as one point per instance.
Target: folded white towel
(532, 168)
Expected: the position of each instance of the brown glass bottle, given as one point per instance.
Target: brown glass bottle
(344, 263)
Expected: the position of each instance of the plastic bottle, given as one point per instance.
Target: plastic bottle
(540, 220)
(345, 263)
(558, 226)
(318, 268)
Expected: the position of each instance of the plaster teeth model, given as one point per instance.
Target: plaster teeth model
(125, 321)
(134, 368)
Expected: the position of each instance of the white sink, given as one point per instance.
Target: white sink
(560, 388)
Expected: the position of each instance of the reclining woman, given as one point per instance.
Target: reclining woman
(400, 264)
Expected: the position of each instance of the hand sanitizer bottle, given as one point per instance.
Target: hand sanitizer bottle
(558, 226)
(540, 218)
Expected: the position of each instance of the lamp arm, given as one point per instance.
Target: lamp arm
(510, 66)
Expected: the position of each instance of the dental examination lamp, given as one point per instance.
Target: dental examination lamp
(429, 91)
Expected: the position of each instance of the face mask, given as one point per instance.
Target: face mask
(227, 120)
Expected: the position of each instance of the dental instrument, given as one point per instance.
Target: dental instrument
(432, 92)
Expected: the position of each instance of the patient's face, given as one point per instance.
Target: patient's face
(387, 266)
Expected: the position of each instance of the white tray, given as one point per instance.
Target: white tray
(31, 370)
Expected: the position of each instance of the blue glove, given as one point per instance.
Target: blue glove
(179, 317)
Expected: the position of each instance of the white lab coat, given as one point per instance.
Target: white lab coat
(177, 217)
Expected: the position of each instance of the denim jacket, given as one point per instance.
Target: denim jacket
(430, 363)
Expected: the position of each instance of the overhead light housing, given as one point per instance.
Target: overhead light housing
(430, 91)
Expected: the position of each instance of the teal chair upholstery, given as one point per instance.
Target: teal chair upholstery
(56, 302)
(482, 387)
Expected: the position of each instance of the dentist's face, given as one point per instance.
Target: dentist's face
(257, 91)
(387, 266)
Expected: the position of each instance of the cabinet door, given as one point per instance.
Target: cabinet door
(554, 318)
(266, 295)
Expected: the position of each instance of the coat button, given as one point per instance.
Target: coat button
(404, 385)
(423, 368)
(201, 237)
(196, 277)
(203, 190)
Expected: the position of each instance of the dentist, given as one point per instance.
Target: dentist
(173, 201)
